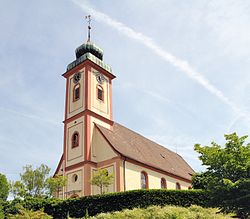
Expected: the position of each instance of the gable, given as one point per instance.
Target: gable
(100, 148)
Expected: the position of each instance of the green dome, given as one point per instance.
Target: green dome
(89, 48)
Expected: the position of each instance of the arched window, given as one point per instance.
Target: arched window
(75, 140)
(74, 196)
(76, 92)
(100, 93)
(177, 186)
(74, 178)
(163, 183)
(144, 180)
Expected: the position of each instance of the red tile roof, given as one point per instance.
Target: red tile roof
(134, 146)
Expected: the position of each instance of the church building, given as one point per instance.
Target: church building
(92, 140)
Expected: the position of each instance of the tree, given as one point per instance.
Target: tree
(35, 180)
(228, 174)
(201, 180)
(231, 162)
(4, 187)
(32, 183)
(17, 189)
(102, 179)
(55, 184)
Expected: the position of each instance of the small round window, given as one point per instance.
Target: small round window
(74, 178)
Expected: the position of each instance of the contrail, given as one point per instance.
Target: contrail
(29, 116)
(180, 64)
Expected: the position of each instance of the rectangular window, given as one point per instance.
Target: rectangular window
(100, 94)
(77, 93)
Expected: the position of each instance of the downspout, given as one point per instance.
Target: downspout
(124, 175)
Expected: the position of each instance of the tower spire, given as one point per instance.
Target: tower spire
(88, 18)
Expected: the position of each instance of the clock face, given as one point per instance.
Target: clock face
(100, 78)
(77, 77)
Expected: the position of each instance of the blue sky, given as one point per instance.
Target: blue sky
(182, 72)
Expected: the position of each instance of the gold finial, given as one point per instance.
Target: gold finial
(88, 18)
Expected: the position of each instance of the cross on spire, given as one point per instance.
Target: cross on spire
(88, 18)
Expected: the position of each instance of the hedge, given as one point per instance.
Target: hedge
(125, 200)
(112, 202)
(11, 207)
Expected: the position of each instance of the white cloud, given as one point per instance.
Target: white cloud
(180, 64)
(229, 23)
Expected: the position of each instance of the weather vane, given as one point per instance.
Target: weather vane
(88, 18)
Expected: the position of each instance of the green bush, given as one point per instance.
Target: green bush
(167, 212)
(78, 207)
(34, 204)
(230, 199)
(233, 197)
(125, 200)
(28, 208)
(25, 214)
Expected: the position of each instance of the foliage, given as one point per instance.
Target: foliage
(4, 187)
(102, 179)
(166, 212)
(124, 200)
(228, 174)
(55, 184)
(234, 197)
(18, 189)
(1, 210)
(201, 180)
(231, 162)
(36, 183)
(30, 203)
(34, 180)
(26, 214)
(109, 202)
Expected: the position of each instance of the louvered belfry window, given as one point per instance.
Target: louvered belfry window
(100, 94)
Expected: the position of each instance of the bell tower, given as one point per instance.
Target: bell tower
(88, 102)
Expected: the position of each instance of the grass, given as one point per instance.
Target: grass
(167, 212)
(152, 212)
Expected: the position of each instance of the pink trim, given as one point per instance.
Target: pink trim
(58, 166)
(87, 123)
(91, 64)
(66, 99)
(90, 113)
(110, 99)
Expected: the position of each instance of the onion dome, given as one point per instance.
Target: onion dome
(89, 47)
